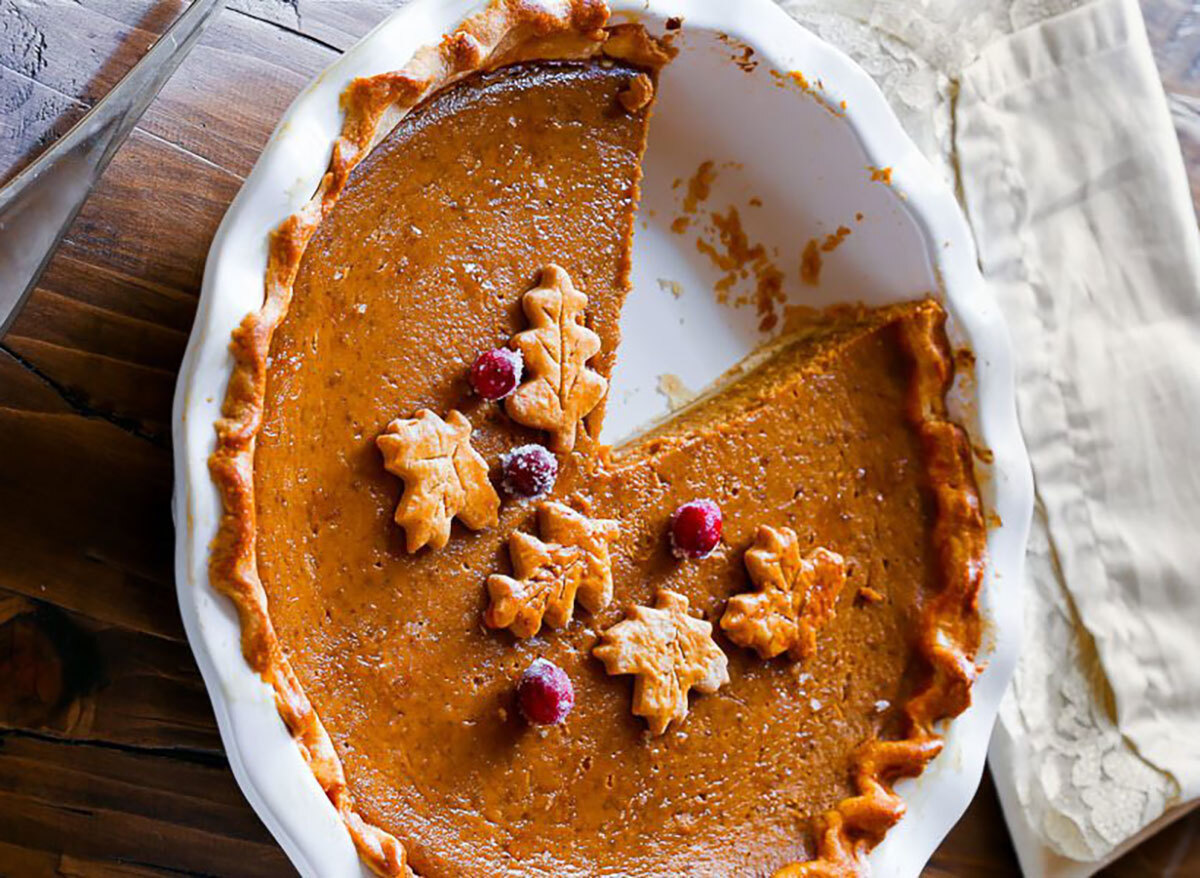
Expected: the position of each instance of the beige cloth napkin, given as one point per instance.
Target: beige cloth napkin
(1050, 120)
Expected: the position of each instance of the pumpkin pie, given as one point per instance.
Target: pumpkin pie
(740, 705)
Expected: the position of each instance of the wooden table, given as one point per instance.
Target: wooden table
(110, 762)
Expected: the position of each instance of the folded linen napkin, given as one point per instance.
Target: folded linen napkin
(1048, 117)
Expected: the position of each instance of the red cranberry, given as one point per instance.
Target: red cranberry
(545, 694)
(695, 529)
(529, 471)
(496, 373)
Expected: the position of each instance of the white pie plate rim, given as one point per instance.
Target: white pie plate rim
(267, 764)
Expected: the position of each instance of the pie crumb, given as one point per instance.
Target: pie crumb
(674, 287)
(638, 94)
(677, 393)
(869, 595)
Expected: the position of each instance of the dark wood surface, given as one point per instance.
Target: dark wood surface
(110, 762)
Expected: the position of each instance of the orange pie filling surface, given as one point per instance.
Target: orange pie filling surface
(832, 461)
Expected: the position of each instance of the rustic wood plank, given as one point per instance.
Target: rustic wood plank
(144, 808)
(255, 65)
(66, 676)
(156, 208)
(257, 69)
(17, 861)
(97, 349)
(979, 845)
(151, 216)
(153, 213)
(93, 531)
(337, 25)
(32, 116)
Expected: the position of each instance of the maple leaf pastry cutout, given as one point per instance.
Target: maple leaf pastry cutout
(795, 597)
(444, 477)
(561, 390)
(670, 652)
(569, 562)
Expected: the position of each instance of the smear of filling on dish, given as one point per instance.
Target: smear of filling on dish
(750, 274)
(811, 261)
(723, 239)
(742, 54)
(816, 90)
(699, 187)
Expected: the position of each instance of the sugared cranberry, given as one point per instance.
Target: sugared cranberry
(545, 694)
(496, 373)
(695, 529)
(529, 471)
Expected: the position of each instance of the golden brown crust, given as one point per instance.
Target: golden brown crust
(950, 630)
(506, 32)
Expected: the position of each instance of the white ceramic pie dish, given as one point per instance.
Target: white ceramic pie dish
(808, 160)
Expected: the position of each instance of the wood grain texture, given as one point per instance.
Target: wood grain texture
(110, 761)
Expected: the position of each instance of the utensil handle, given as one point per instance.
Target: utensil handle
(38, 205)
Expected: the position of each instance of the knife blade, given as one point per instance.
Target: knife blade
(38, 205)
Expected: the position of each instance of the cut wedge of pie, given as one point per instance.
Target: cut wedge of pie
(745, 712)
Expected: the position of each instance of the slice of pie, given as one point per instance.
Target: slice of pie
(742, 710)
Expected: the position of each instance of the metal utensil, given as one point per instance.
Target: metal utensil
(38, 205)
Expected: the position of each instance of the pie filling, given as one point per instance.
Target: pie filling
(422, 263)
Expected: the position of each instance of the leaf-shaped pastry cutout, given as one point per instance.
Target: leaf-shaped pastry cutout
(443, 475)
(561, 390)
(795, 597)
(670, 652)
(592, 536)
(571, 561)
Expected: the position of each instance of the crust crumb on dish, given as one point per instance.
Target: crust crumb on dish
(638, 95)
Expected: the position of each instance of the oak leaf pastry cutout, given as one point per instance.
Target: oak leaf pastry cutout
(795, 596)
(561, 390)
(444, 477)
(670, 652)
(569, 562)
